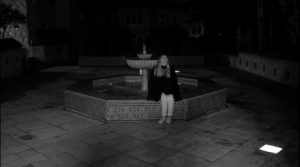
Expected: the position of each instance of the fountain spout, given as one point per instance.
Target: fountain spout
(144, 49)
(144, 54)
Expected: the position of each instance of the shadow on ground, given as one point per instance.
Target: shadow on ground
(14, 87)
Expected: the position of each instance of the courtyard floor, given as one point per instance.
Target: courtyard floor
(36, 131)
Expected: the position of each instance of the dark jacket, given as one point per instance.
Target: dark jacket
(158, 85)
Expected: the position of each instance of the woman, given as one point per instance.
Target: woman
(163, 86)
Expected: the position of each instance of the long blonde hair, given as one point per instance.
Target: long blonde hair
(159, 71)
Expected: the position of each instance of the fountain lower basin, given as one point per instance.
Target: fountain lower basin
(120, 99)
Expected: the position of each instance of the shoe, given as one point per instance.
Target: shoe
(162, 120)
(169, 120)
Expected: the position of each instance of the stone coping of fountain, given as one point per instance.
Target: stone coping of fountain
(107, 110)
(141, 63)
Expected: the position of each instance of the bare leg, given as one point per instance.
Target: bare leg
(164, 108)
(170, 99)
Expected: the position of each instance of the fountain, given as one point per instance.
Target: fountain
(144, 63)
(123, 97)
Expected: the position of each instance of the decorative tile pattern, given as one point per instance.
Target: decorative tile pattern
(134, 110)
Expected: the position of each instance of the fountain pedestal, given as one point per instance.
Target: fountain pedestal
(144, 65)
(144, 79)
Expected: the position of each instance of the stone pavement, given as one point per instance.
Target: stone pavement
(36, 131)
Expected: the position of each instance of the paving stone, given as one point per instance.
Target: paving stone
(229, 135)
(174, 142)
(45, 163)
(16, 120)
(123, 128)
(27, 153)
(82, 164)
(147, 134)
(9, 130)
(77, 125)
(48, 132)
(121, 160)
(8, 158)
(9, 141)
(35, 125)
(222, 163)
(212, 125)
(245, 160)
(211, 151)
(48, 151)
(4, 151)
(34, 158)
(181, 160)
(34, 143)
(150, 152)
(71, 145)
(280, 162)
(47, 115)
(16, 163)
(86, 119)
(245, 128)
(61, 119)
(65, 159)
(17, 149)
(195, 137)
(28, 165)
(97, 153)
(123, 143)
(100, 138)
(173, 129)
(255, 143)
(188, 130)
(27, 139)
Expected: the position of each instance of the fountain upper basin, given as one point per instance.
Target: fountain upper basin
(141, 63)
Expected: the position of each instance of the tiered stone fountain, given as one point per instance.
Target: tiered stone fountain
(144, 63)
(121, 98)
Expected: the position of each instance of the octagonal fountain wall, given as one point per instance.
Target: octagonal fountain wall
(119, 98)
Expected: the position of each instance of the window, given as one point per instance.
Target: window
(246, 63)
(264, 68)
(255, 65)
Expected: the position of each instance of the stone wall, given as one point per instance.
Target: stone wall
(85, 61)
(282, 71)
(13, 62)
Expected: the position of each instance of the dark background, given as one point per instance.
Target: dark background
(95, 28)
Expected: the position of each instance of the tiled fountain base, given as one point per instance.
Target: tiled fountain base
(109, 109)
